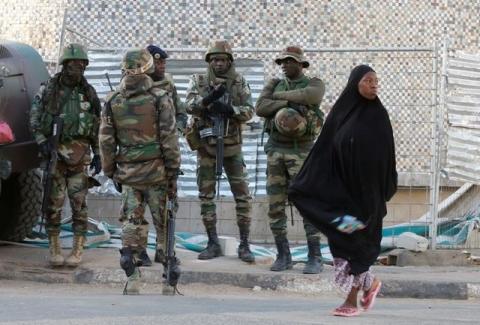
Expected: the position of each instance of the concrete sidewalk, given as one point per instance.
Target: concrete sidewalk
(101, 265)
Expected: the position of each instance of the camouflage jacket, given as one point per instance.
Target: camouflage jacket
(168, 85)
(276, 94)
(240, 98)
(138, 138)
(79, 108)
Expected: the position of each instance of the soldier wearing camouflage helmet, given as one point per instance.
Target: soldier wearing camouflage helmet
(69, 96)
(293, 119)
(164, 81)
(139, 150)
(220, 91)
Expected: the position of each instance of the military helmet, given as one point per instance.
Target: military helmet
(73, 52)
(290, 123)
(219, 47)
(137, 61)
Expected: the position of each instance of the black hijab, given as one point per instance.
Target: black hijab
(350, 170)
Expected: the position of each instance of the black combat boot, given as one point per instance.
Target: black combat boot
(144, 258)
(315, 263)
(284, 258)
(244, 252)
(213, 247)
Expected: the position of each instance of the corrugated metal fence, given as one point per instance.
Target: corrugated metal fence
(459, 218)
(463, 108)
(408, 91)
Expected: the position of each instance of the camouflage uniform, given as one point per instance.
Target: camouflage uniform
(239, 96)
(168, 85)
(79, 107)
(139, 149)
(286, 153)
(165, 81)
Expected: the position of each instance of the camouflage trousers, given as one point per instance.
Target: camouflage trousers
(135, 226)
(237, 176)
(73, 181)
(281, 168)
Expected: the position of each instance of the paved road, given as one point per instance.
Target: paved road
(39, 303)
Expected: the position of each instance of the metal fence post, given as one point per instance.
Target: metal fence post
(435, 149)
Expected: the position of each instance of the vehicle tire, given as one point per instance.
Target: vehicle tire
(20, 204)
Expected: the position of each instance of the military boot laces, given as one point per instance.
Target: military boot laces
(75, 257)
(244, 252)
(55, 249)
(314, 264)
(213, 247)
(284, 258)
(144, 258)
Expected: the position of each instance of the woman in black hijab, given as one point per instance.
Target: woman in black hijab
(345, 183)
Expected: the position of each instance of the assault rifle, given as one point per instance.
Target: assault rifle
(171, 269)
(219, 132)
(219, 129)
(54, 139)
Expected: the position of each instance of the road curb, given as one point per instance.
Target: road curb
(300, 283)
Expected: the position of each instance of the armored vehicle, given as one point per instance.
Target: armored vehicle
(21, 72)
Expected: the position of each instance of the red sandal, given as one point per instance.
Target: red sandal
(368, 301)
(346, 311)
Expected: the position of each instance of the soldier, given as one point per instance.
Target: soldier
(165, 81)
(139, 149)
(293, 119)
(220, 92)
(69, 96)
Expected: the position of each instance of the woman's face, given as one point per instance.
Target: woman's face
(368, 85)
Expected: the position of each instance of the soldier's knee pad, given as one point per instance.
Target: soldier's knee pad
(127, 261)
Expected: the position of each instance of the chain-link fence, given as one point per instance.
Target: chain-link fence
(410, 89)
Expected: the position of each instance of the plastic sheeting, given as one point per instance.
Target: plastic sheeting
(102, 235)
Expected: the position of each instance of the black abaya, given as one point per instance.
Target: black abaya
(350, 170)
